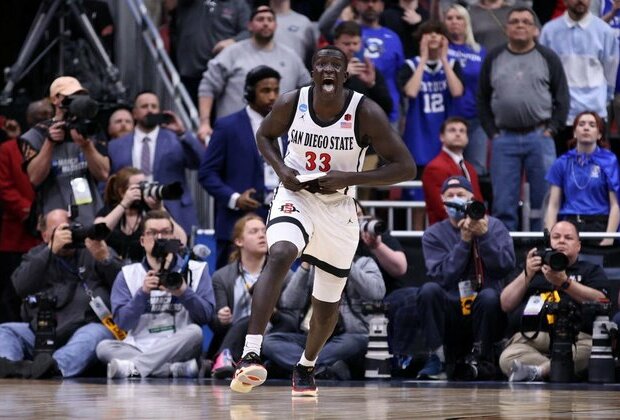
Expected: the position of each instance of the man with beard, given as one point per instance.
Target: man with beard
(313, 214)
(162, 150)
(222, 82)
(232, 170)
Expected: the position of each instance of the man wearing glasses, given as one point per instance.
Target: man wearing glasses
(163, 320)
(522, 102)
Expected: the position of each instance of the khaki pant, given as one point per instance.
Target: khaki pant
(536, 352)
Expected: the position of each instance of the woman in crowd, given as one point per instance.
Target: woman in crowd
(585, 181)
(122, 212)
(489, 21)
(470, 55)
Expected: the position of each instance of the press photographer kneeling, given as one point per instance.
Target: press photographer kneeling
(60, 280)
(539, 287)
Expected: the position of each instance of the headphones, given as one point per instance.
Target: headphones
(253, 77)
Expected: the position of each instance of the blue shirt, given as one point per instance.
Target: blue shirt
(471, 63)
(586, 181)
(384, 48)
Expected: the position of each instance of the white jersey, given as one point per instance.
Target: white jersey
(316, 147)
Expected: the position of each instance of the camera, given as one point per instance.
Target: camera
(601, 366)
(475, 210)
(374, 307)
(373, 226)
(169, 279)
(80, 113)
(557, 260)
(44, 322)
(566, 325)
(158, 191)
(79, 233)
(151, 120)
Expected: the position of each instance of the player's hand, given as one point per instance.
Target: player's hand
(224, 315)
(288, 177)
(246, 202)
(333, 181)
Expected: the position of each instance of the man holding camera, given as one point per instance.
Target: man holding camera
(162, 302)
(467, 257)
(62, 279)
(526, 358)
(162, 148)
(62, 161)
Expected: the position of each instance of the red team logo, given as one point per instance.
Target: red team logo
(347, 121)
(288, 208)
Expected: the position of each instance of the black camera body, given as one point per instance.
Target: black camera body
(79, 233)
(475, 210)
(169, 279)
(373, 226)
(566, 325)
(80, 113)
(558, 261)
(158, 191)
(44, 322)
(158, 119)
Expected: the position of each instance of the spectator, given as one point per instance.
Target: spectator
(123, 212)
(470, 55)
(404, 17)
(233, 285)
(488, 20)
(294, 30)
(222, 82)
(232, 170)
(466, 260)
(588, 49)
(430, 81)
(202, 29)
(120, 123)
(449, 162)
(526, 357)
(350, 338)
(522, 102)
(609, 13)
(585, 182)
(164, 320)
(68, 277)
(162, 153)
(63, 164)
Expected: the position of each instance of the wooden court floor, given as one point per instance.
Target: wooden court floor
(205, 399)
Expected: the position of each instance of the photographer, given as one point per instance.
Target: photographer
(163, 149)
(66, 276)
(124, 209)
(527, 359)
(467, 258)
(62, 162)
(162, 302)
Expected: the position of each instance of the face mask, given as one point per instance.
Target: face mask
(453, 213)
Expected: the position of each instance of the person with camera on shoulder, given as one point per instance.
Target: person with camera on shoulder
(555, 275)
(61, 157)
(161, 302)
(60, 280)
(467, 258)
(128, 196)
(163, 149)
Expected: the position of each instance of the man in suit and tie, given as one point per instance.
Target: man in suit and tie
(449, 162)
(232, 170)
(162, 150)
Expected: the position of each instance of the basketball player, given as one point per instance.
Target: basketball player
(313, 213)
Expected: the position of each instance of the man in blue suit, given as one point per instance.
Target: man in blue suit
(232, 170)
(162, 148)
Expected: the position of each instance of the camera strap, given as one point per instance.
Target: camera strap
(478, 267)
(544, 298)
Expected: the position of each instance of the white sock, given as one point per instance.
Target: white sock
(439, 352)
(253, 343)
(305, 362)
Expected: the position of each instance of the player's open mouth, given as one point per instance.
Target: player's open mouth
(329, 85)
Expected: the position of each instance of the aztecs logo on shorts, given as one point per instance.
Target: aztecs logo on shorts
(288, 208)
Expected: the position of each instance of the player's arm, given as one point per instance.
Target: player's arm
(375, 130)
(275, 124)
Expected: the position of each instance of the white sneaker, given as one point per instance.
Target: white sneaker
(520, 372)
(118, 368)
(187, 369)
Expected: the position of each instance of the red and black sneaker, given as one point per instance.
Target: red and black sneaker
(250, 373)
(303, 381)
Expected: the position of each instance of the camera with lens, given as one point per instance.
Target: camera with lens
(565, 328)
(158, 191)
(475, 210)
(601, 366)
(80, 113)
(44, 321)
(558, 261)
(171, 280)
(373, 226)
(79, 233)
(151, 120)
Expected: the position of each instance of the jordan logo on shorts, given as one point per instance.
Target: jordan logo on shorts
(288, 208)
